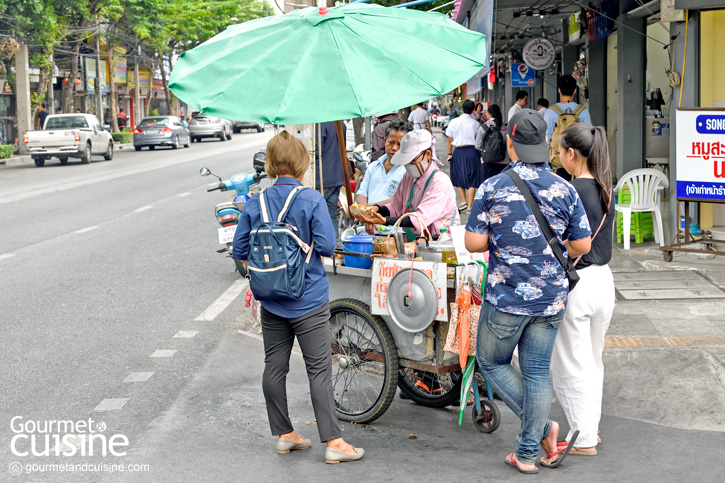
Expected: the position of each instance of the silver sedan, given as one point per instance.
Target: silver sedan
(160, 131)
(202, 126)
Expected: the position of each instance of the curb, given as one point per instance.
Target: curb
(26, 159)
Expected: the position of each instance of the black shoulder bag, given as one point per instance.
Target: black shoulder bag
(552, 240)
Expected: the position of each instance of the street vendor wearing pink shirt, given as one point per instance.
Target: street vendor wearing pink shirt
(424, 190)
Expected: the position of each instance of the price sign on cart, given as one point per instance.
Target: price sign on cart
(385, 269)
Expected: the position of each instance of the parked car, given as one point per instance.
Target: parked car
(237, 126)
(202, 126)
(69, 136)
(160, 131)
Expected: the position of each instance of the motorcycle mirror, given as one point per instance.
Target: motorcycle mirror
(204, 172)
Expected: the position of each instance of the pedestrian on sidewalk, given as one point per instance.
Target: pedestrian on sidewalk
(561, 115)
(466, 167)
(308, 318)
(329, 177)
(420, 118)
(522, 98)
(577, 370)
(526, 304)
(121, 119)
(493, 166)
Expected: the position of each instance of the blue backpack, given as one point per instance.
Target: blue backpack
(278, 258)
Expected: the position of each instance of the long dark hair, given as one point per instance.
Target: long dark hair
(591, 142)
(496, 114)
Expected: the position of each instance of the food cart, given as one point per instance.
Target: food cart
(388, 327)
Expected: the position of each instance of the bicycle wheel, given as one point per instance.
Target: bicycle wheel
(364, 362)
(430, 389)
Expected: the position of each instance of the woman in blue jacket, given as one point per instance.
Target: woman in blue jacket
(307, 318)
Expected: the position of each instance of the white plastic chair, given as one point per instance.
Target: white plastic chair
(643, 185)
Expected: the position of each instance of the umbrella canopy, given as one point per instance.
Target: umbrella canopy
(303, 67)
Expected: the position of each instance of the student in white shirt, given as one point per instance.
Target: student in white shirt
(522, 99)
(420, 118)
(466, 167)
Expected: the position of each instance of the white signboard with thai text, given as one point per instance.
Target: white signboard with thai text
(700, 154)
(383, 271)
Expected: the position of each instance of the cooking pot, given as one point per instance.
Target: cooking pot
(434, 251)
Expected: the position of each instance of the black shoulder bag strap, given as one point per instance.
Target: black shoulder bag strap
(551, 239)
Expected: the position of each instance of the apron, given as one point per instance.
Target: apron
(409, 206)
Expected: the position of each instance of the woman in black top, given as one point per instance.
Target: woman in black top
(576, 363)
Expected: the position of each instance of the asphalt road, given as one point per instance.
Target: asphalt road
(101, 265)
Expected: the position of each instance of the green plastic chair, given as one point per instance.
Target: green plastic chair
(642, 223)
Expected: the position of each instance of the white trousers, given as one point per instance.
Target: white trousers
(577, 371)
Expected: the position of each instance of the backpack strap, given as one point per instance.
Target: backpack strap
(293, 194)
(557, 109)
(579, 109)
(263, 206)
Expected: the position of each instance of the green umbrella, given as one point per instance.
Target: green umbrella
(466, 384)
(303, 67)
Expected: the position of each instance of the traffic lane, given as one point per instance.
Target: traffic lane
(23, 181)
(35, 219)
(88, 309)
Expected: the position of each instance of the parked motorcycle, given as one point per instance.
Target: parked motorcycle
(361, 158)
(228, 213)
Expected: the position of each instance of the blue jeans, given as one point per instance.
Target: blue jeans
(529, 392)
(331, 195)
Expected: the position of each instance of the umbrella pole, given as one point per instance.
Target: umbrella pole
(343, 159)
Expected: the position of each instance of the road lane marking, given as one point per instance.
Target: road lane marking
(138, 377)
(164, 353)
(85, 230)
(185, 334)
(184, 194)
(111, 404)
(5, 256)
(218, 306)
(143, 208)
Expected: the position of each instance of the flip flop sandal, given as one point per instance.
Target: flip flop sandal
(561, 452)
(515, 464)
(463, 207)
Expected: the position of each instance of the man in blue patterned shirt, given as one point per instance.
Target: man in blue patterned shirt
(527, 287)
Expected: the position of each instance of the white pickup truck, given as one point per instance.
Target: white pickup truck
(69, 136)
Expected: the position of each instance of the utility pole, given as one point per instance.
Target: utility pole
(22, 86)
(99, 94)
(305, 132)
(138, 112)
(51, 94)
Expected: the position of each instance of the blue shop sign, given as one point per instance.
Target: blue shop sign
(710, 124)
(522, 76)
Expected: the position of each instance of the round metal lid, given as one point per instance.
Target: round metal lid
(414, 313)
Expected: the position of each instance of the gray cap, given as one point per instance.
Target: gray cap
(527, 130)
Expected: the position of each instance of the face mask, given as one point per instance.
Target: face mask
(416, 170)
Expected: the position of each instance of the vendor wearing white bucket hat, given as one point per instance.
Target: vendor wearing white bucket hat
(424, 190)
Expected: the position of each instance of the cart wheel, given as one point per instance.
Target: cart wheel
(364, 362)
(667, 256)
(430, 389)
(489, 420)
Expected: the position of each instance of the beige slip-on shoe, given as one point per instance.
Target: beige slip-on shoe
(333, 456)
(286, 445)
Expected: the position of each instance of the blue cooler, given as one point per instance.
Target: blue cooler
(358, 244)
